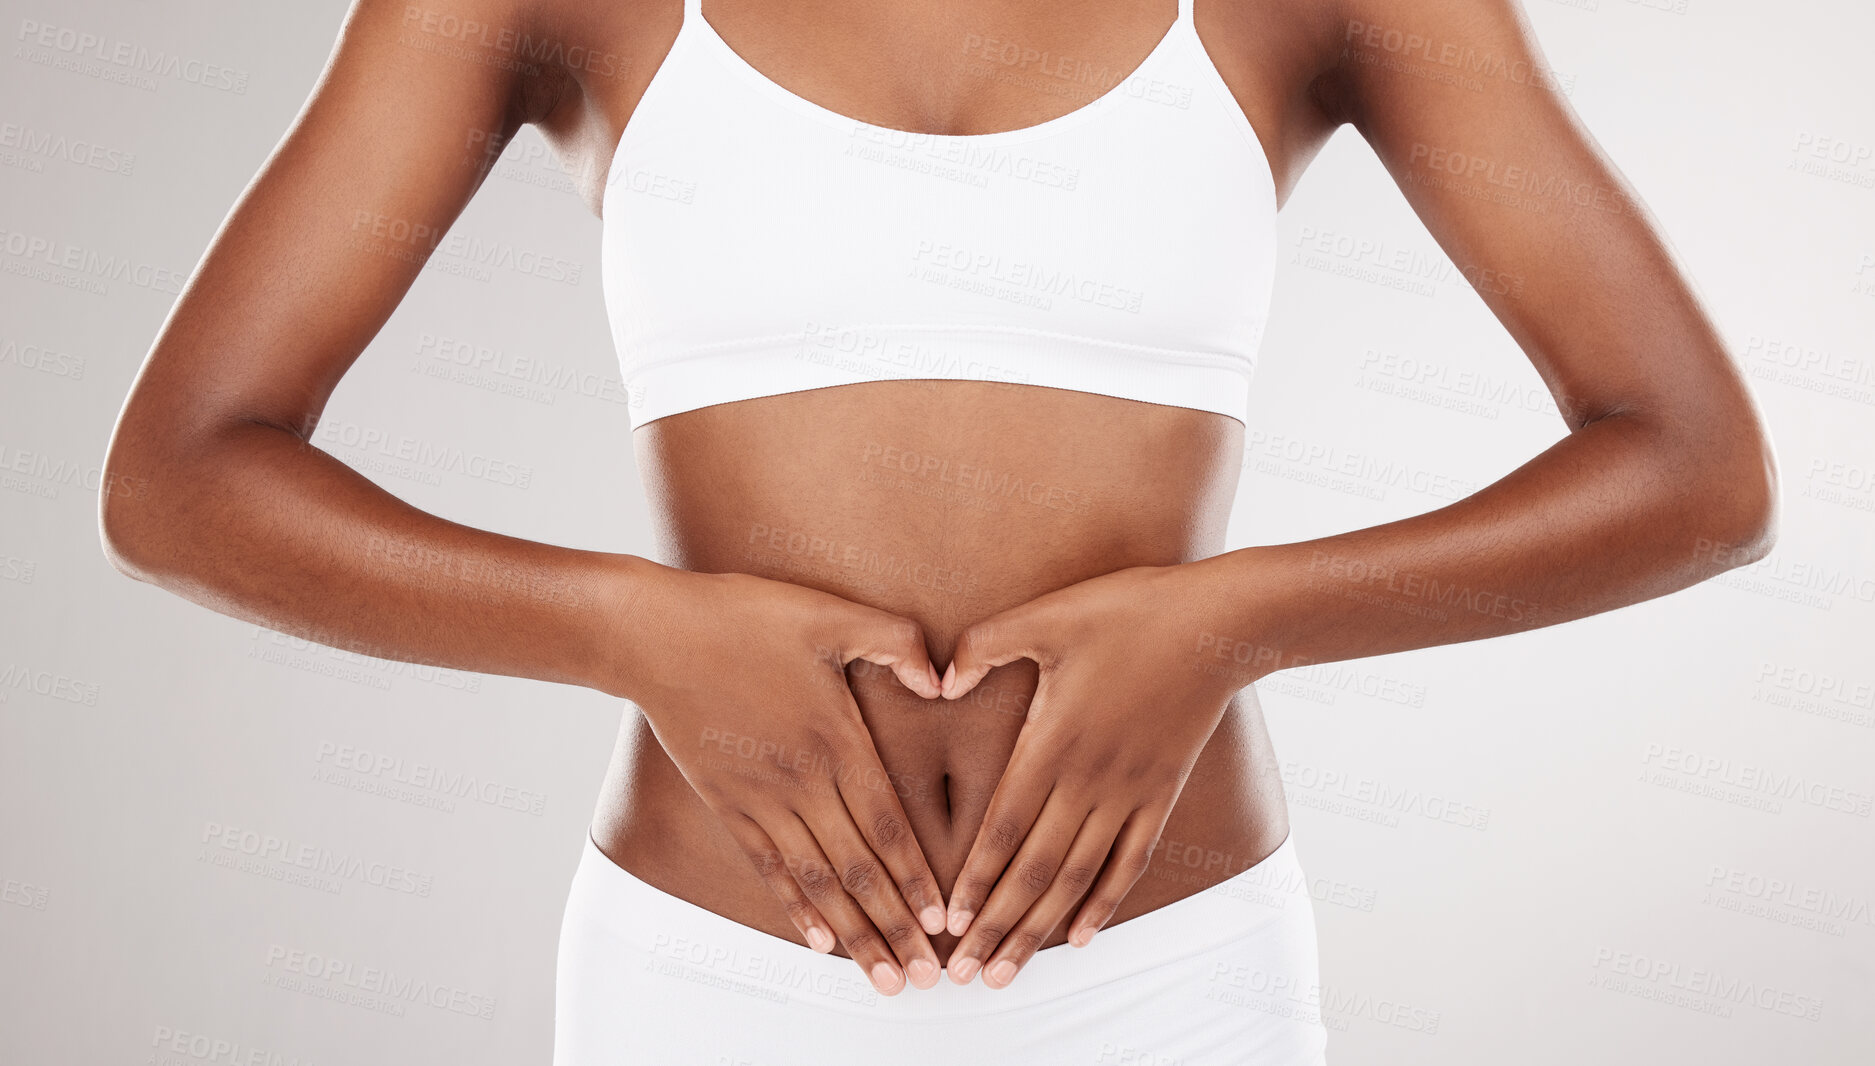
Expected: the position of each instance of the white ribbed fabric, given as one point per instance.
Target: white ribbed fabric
(756, 243)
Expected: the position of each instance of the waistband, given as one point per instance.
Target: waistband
(672, 930)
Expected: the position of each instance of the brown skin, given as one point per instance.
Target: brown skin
(1099, 733)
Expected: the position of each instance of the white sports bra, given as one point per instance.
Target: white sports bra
(755, 243)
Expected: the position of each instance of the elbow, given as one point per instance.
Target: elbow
(117, 530)
(1738, 513)
(128, 521)
(163, 492)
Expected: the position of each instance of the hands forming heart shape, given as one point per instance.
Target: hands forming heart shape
(1122, 709)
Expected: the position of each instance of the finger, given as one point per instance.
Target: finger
(1075, 876)
(873, 800)
(996, 641)
(868, 883)
(773, 868)
(893, 642)
(1030, 872)
(819, 880)
(1131, 852)
(1013, 808)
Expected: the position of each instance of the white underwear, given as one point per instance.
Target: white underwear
(1226, 976)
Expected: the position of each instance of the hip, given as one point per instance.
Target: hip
(1229, 974)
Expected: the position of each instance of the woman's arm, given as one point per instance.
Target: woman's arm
(1666, 478)
(1667, 475)
(218, 494)
(233, 508)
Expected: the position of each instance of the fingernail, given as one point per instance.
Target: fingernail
(960, 921)
(962, 970)
(819, 939)
(1081, 937)
(923, 972)
(932, 918)
(950, 674)
(884, 977)
(1000, 973)
(937, 684)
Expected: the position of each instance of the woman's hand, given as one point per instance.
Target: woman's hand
(743, 681)
(1124, 705)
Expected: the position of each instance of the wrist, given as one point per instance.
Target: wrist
(632, 592)
(1241, 621)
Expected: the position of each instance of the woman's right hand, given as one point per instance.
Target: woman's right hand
(743, 681)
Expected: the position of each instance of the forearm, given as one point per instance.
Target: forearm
(263, 526)
(1618, 512)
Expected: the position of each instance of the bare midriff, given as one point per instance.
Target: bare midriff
(944, 502)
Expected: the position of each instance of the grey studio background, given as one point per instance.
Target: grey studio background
(1644, 837)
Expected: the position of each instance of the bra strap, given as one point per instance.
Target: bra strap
(693, 9)
(1184, 11)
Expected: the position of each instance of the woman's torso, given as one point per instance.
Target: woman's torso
(943, 501)
(882, 512)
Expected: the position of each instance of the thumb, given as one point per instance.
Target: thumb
(993, 642)
(894, 642)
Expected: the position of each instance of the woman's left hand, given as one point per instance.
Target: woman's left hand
(1125, 703)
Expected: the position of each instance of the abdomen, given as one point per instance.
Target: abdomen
(945, 502)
